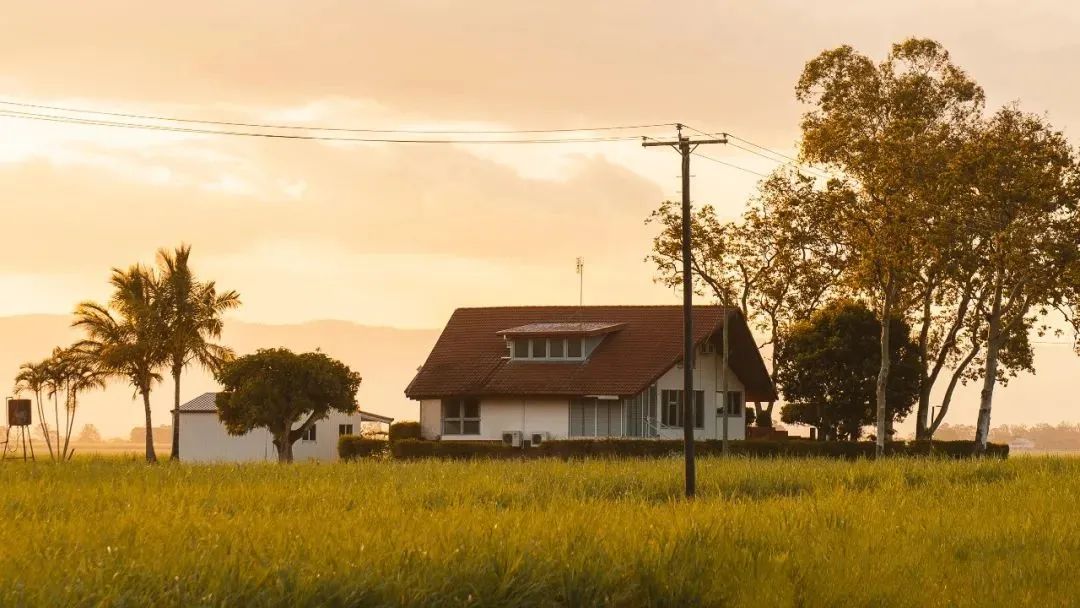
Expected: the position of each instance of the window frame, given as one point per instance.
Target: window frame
(461, 419)
(528, 353)
(310, 434)
(344, 429)
(674, 408)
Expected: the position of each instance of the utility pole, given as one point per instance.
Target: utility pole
(685, 146)
(581, 281)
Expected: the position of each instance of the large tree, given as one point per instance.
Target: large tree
(830, 367)
(126, 337)
(276, 388)
(192, 316)
(1026, 185)
(888, 127)
(777, 263)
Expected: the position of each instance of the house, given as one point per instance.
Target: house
(559, 372)
(203, 437)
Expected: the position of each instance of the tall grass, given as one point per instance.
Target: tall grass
(106, 532)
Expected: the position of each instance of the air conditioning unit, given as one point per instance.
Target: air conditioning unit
(512, 438)
(536, 439)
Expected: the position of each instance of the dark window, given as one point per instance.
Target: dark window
(344, 429)
(734, 404)
(521, 348)
(309, 434)
(539, 348)
(671, 408)
(573, 348)
(461, 416)
(555, 349)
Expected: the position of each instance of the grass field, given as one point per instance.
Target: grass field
(112, 532)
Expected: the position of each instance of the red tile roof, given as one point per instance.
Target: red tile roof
(470, 355)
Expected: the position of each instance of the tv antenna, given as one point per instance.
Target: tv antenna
(581, 280)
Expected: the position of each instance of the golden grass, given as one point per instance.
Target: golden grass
(114, 532)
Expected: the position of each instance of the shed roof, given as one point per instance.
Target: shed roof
(206, 403)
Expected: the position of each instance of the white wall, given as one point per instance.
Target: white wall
(203, 438)
(707, 378)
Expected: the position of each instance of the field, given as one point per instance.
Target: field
(113, 532)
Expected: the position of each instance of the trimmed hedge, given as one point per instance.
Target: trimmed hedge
(657, 448)
(408, 429)
(350, 447)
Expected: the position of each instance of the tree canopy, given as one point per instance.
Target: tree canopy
(830, 368)
(277, 388)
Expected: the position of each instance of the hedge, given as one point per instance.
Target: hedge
(656, 448)
(354, 446)
(409, 429)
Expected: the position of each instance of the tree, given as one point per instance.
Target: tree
(888, 127)
(777, 264)
(192, 317)
(830, 367)
(276, 388)
(81, 374)
(1026, 184)
(126, 337)
(32, 377)
(89, 434)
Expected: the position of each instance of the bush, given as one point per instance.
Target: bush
(409, 429)
(354, 446)
(659, 448)
(411, 449)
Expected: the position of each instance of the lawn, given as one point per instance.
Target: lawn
(114, 532)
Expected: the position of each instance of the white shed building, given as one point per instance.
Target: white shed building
(203, 437)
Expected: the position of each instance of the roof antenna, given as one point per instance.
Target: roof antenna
(581, 281)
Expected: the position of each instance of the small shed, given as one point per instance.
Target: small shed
(203, 437)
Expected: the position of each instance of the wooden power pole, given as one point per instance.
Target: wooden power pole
(686, 146)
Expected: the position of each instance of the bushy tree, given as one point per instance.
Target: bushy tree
(830, 368)
(276, 388)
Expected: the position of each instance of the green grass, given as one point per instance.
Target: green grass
(110, 532)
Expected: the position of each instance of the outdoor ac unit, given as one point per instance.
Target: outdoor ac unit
(512, 438)
(538, 438)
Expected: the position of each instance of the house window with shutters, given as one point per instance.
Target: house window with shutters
(461, 416)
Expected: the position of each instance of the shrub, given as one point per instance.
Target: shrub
(412, 449)
(659, 448)
(354, 446)
(408, 429)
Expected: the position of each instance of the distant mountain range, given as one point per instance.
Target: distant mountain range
(387, 359)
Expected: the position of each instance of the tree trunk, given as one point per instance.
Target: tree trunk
(174, 453)
(994, 340)
(284, 447)
(151, 457)
(56, 415)
(883, 372)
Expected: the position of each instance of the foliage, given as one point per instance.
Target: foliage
(411, 449)
(829, 375)
(544, 533)
(355, 446)
(89, 434)
(406, 429)
(191, 312)
(67, 372)
(892, 129)
(777, 263)
(276, 388)
(126, 337)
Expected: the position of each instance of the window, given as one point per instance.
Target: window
(344, 429)
(591, 417)
(461, 416)
(521, 348)
(555, 348)
(573, 348)
(539, 348)
(309, 434)
(734, 404)
(671, 408)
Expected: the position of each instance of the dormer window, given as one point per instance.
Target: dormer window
(548, 349)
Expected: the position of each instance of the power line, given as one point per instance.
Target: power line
(786, 158)
(334, 129)
(733, 166)
(394, 140)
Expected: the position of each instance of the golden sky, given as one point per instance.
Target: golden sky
(401, 235)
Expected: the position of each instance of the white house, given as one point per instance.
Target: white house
(556, 372)
(203, 437)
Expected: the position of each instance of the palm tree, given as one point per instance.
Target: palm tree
(192, 312)
(32, 377)
(82, 374)
(126, 337)
(55, 369)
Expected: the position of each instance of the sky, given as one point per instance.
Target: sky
(400, 235)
